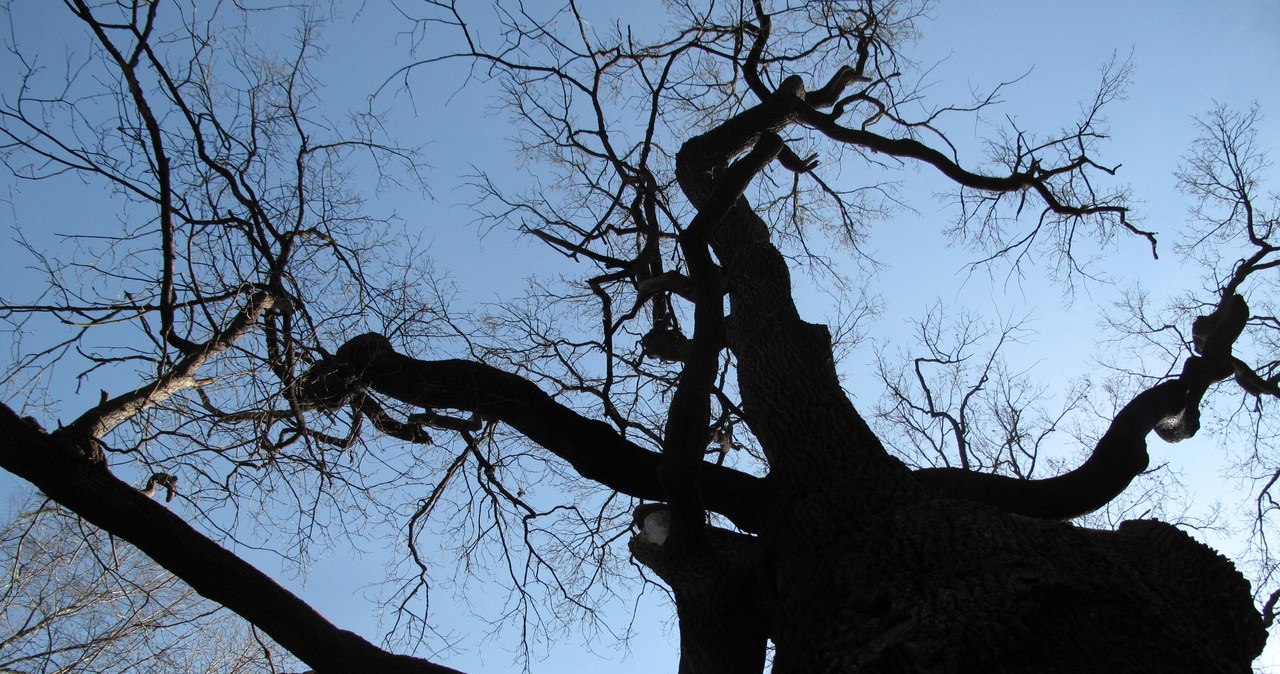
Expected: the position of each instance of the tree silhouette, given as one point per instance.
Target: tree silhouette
(677, 379)
(75, 600)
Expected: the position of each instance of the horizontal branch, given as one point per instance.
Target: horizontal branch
(913, 149)
(1119, 457)
(594, 448)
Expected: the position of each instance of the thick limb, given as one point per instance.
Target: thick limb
(1171, 409)
(689, 415)
(592, 447)
(55, 465)
(782, 358)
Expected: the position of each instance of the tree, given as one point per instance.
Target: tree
(679, 373)
(76, 600)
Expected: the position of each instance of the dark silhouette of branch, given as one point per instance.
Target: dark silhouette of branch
(61, 471)
(1170, 408)
(594, 449)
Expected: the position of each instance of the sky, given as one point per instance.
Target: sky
(1186, 56)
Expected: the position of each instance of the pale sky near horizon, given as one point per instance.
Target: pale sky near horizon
(1187, 56)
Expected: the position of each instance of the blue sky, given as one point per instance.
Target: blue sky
(1187, 55)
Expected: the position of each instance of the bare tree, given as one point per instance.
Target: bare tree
(1230, 236)
(240, 222)
(961, 404)
(674, 387)
(76, 600)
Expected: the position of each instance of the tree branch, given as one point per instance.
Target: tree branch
(97, 422)
(86, 487)
(689, 416)
(780, 356)
(1170, 408)
(592, 447)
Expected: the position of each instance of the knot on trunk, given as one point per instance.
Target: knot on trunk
(666, 344)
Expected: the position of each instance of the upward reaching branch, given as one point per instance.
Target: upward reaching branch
(97, 422)
(61, 471)
(1171, 408)
(687, 431)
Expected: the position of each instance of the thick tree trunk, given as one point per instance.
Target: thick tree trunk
(946, 586)
(873, 571)
(723, 589)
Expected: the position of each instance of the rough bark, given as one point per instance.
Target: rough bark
(946, 586)
(876, 572)
(723, 589)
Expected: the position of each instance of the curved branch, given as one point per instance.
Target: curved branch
(1118, 457)
(751, 67)
(594, 449)
(914, 149)
(1170, 408)
(128, 67)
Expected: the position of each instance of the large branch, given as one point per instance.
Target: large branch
(688, 420)
(594, 449)
(1170, 408)
(55, 465)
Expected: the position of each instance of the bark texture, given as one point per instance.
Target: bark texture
(877, 570)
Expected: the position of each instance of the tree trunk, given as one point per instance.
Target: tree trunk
(946, 586)
(873, 571)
